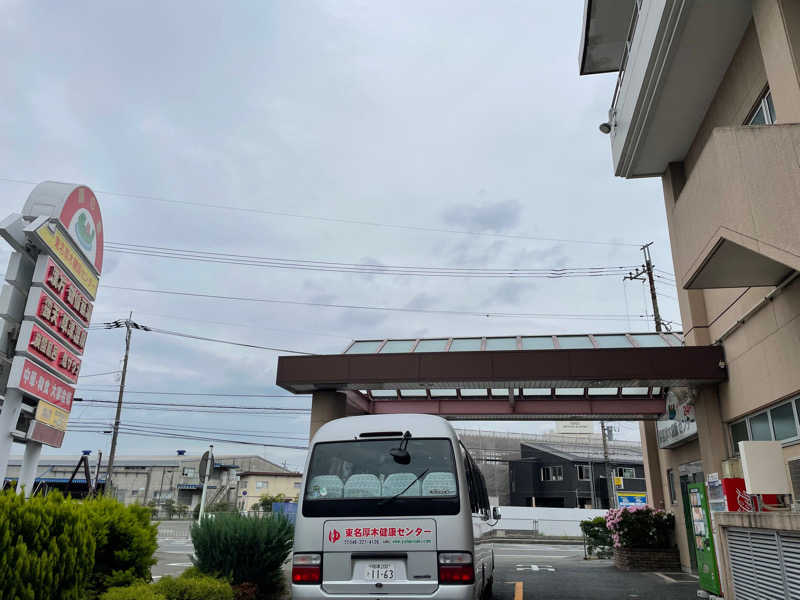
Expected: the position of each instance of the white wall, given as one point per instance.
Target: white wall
(546, 521)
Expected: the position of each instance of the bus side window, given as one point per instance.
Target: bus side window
(471, 482)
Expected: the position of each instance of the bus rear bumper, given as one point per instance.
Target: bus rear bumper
(443, 592)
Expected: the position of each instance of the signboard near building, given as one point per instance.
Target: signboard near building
(51, 281)
(632, 499)
(567, 427)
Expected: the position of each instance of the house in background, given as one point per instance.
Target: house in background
(254, 484)
(551, 476)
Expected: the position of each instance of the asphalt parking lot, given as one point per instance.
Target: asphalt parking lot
(174, 549)
(522, 572)
(559, 572)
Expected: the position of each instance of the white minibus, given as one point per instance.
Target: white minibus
(392, 506)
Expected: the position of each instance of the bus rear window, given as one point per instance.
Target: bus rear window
(360, 476)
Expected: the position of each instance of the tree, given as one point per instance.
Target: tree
(182, 510)
(265, 501)
(153, 506)
(169, 507)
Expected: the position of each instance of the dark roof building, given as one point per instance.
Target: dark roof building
(554, 476)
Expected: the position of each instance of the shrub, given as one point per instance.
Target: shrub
(126, 542)
(140, 591)
(598, 537)
(46, 548)
(245, 591)
(244, 549)
(194, 588)
(214, 507)
(640, 527)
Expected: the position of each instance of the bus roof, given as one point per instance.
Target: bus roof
(348, 428)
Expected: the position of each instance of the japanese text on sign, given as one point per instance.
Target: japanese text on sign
(60, 322)
(51, 415)
(53, 354)
(32, 380)
(73, 261)
(63, 287)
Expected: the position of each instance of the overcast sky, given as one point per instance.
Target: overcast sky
(442, 115)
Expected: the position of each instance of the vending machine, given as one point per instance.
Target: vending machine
(703, 539)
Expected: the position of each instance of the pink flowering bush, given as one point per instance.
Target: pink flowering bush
(640, 527)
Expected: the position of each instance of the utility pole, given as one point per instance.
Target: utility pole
(97, 472)
(638, 274)
(127, 324)
(612, 496)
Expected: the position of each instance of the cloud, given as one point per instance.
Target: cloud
(502, 215)
(433, 116)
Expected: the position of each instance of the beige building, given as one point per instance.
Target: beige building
(255, 484)
(708, 100)
(176, 478)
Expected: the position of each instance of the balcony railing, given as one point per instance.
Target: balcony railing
(637, 6)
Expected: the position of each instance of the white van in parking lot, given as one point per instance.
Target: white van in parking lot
(393, 506)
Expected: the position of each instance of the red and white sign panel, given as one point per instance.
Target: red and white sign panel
(55, 318)
(38, 344)
(34, 381)
(408, 534)
(49, 275)
(81, 216)
(44, 434)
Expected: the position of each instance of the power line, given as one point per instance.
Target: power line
(277, 409)
(233, 324)
(119, 323)
(359, 268)
(84, 429)
(341, 220)
(99, 374)
(210, 394)
(606, 317)
(157, 427)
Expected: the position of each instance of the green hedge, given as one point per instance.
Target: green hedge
(244, 549)
(189, 586)
(47, 549)
(126, 542)
(598, 537)
(56, 548)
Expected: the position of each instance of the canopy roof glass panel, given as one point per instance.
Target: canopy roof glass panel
(525, 342)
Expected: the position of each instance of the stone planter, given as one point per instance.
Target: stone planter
(647, 559)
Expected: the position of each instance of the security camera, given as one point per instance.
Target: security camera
(605, 128)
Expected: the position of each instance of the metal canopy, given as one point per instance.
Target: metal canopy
(608, 376)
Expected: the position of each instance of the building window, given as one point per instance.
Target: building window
(779, 423)
(297, 485)
(260, 485)
(584, 472)
(739, 434)
(625, 472)
(188, 471)
(671, 483)
(764, 112)
(552, 474)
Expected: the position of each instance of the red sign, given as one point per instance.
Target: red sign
(37, 342)
(56, 319)
(80, 214)
(32, 380)
(46, 435)
(59, 283)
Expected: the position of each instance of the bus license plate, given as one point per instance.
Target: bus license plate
(380, 571)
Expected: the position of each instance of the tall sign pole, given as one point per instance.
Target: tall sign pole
(45, 311)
